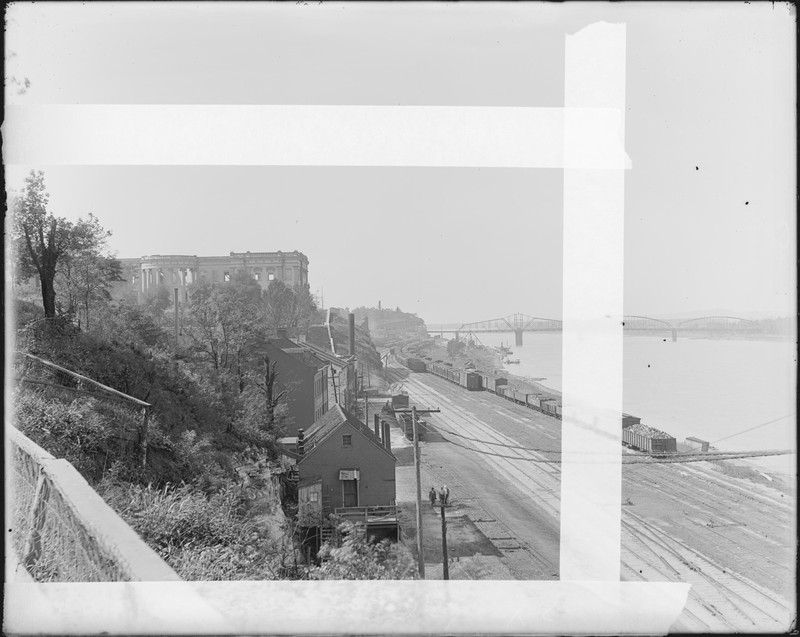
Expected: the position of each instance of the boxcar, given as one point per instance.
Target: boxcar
(472, 381)
(416, 365)
(535, 401)
(399, 399)
(548, 405)
(408, 428)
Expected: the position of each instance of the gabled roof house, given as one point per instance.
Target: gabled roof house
(356, 466)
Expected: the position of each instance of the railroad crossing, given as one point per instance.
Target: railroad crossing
(521, 323)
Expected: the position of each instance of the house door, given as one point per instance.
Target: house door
(350, 493)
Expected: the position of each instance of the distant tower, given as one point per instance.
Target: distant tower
(379, 305)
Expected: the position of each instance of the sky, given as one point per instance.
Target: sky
(710, 221)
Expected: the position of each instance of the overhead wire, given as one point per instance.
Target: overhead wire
(648, 459)
(763, 424)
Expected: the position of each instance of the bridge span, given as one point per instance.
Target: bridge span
(521, 323)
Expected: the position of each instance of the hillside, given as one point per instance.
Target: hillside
(206, 500)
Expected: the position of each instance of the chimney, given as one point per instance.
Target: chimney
(281, 332)
(377, 426)
(387, 437)
(301, 442)
(352, 318)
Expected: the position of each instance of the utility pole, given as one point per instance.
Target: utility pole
(420, 555)
(413, 410)
(176, 319)
(366, 402)
(445, 565)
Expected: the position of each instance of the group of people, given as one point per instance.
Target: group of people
(443, 496)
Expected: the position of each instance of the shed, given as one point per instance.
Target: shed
(697, 443)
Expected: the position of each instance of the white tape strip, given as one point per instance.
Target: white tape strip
(457, 136)
(408, 607)
(592, 336)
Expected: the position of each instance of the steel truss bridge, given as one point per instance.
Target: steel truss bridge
(521, 323)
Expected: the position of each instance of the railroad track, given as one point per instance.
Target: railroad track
(777, 572)
(721, 599)
(538, 480)
(731, 599)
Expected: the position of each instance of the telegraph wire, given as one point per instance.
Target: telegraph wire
(763, 424)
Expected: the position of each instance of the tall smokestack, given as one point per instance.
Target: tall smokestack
(377, 426)
(352, 318)
(387, 437)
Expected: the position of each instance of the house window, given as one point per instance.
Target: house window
(227, 276)
(314, 497)
(347, 440)
(271, 276)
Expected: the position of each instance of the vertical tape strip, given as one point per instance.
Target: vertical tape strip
(593, 310)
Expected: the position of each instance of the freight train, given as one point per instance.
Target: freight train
(475, 380)
(634, 434)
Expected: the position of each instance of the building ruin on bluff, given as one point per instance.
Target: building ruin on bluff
(180, 270)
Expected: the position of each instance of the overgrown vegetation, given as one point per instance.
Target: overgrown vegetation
(214, 419)
(203, 537)
(350, 555)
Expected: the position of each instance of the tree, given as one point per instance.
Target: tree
(289, 308)
(280, 304)
(85, 275)
(266, 383)
(45, 243)
(454, 348)
(225, 323)
(349, 554)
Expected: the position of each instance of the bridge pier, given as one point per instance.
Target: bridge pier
(518, 338)
(674, 335)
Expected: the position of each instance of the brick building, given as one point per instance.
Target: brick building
(304, 378)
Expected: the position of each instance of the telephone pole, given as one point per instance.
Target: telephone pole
(445, 565)
(413, 410)
(366, 402)
(177, 321)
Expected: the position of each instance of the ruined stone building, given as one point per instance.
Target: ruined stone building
(179, 270)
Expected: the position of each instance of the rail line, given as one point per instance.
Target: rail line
(546, 493)
(720, 597)
(733, 589)
(756, 561)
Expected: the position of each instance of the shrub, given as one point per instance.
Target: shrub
(201, 537)
(350, 555)
(75, 431)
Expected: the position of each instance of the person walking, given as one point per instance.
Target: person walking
(432, 496)
(446, 495)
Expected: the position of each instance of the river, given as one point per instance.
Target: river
(711, 388)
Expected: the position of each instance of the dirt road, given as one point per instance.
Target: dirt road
(726, 529)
